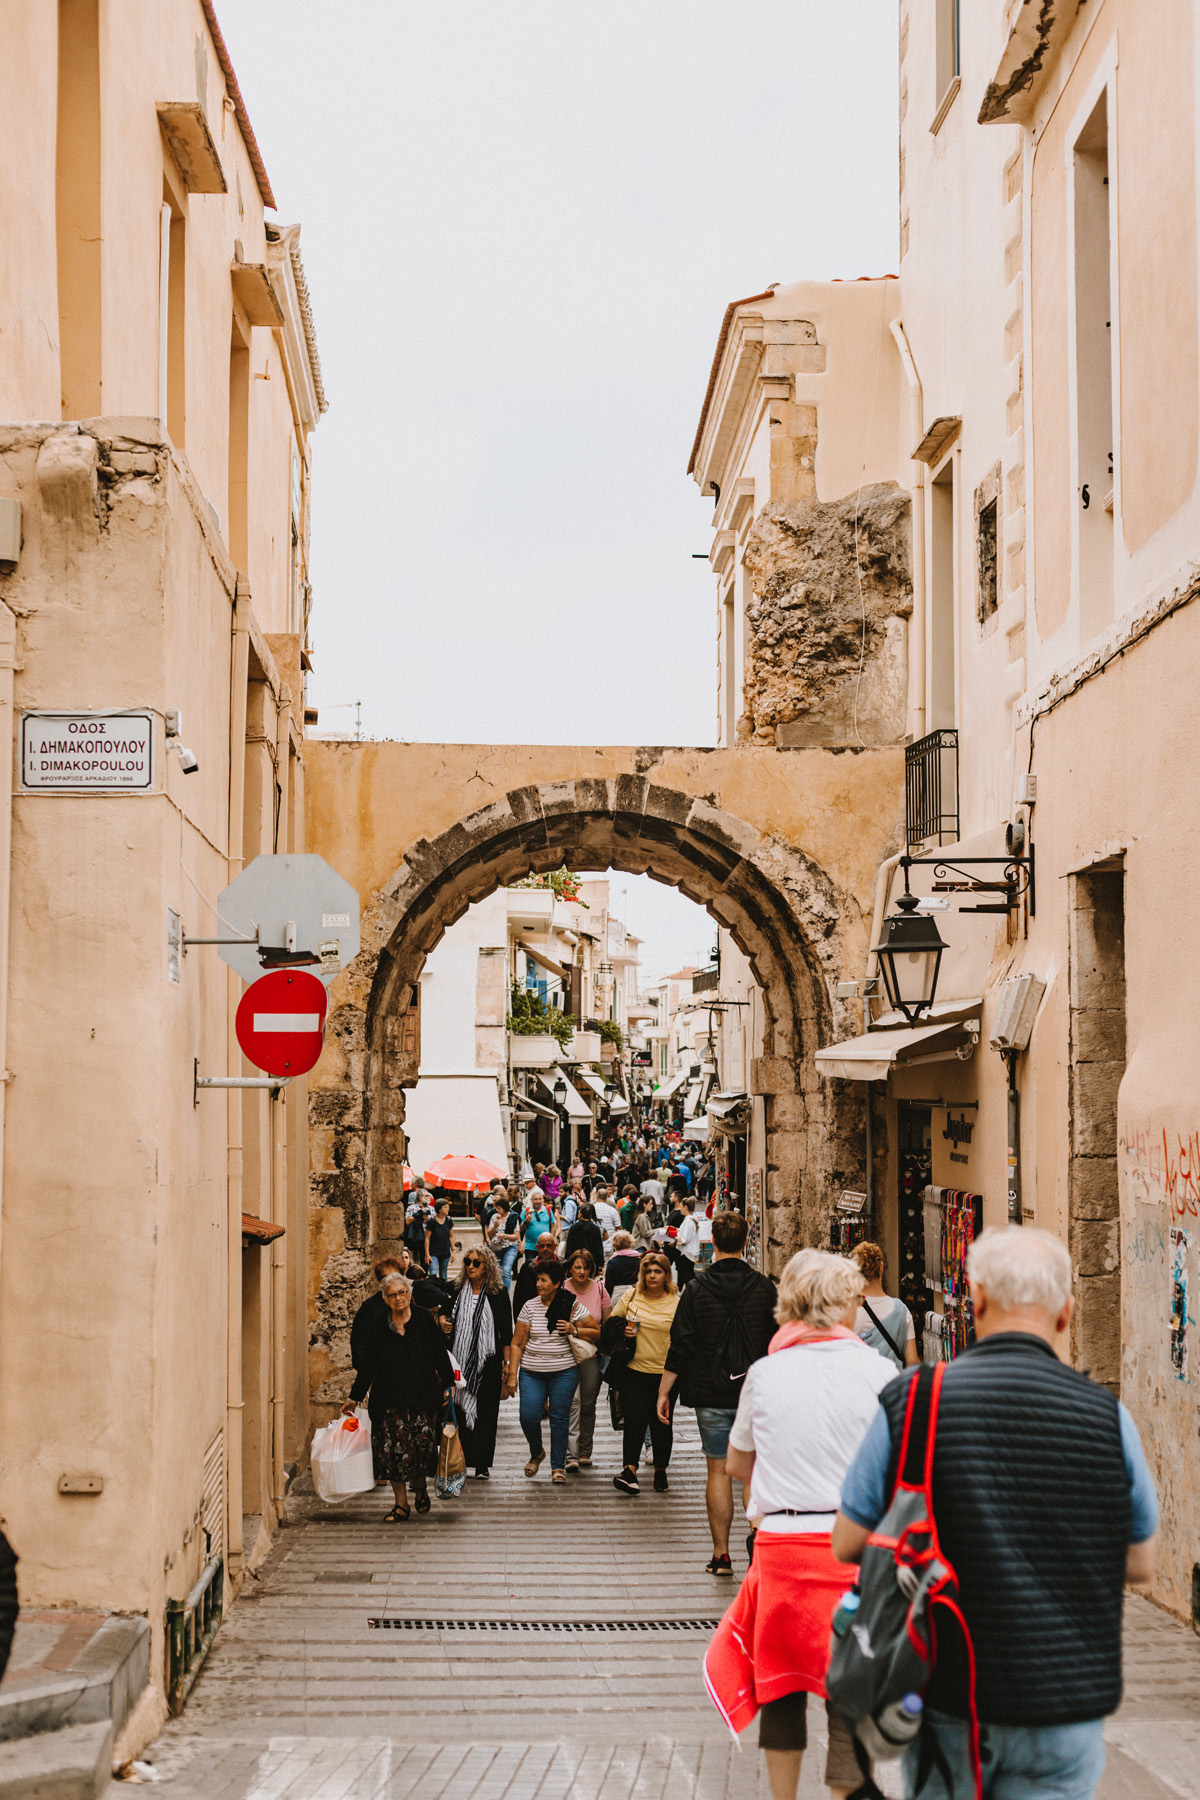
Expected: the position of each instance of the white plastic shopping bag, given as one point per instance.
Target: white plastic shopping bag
(341, 1457)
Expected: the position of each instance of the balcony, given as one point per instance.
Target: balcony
(540, 1052)
(931, 789)
(585, 1046)
(531, 906)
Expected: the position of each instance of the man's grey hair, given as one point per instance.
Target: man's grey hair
(1020, 1268)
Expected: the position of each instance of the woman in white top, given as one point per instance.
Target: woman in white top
(884, 1323)
(541, 1357)
(804, 1410)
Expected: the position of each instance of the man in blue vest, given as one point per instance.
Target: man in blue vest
(1044, 1507)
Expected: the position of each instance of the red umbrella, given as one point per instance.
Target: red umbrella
(462, 1172)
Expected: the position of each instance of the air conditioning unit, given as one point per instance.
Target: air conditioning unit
(1017, 1002)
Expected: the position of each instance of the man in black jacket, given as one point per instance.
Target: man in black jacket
(724, 1322)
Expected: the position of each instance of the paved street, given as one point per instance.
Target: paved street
(304, 1699)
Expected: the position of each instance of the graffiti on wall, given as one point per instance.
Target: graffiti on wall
(1179, 1301)
(1163, 1168)
(1145, 1252)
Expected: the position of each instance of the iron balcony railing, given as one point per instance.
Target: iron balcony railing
(931, 789)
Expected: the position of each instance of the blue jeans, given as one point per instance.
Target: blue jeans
(442, 1266)
(1020, 1762)
(507, 1259)
(560, 1389)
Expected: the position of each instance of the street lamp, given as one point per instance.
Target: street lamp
(909, 955)
(611, 1092)
(560, 1093)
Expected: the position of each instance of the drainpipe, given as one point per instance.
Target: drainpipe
(916, 664)
(238, 678)
(8, 664)
(278, 1105)
(883, 876)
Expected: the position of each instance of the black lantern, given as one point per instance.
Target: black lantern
(909, 955)
(610, 1093)
(560, 1092)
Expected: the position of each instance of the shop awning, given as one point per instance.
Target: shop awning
(535, 1108)
(577, 1107)
(668, 1088)
(691, 1100)
(545, 962)
(697, 1127)
(873, 1057)
(459, 1112)
(618, 1103)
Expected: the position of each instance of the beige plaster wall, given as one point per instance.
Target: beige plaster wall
(147, 54)
(1152, 145)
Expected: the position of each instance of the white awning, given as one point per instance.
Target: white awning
(873, 1057)
(577, 1107)
(697, 1127)
(669, 1087)
(691, 1100)
(618, 1104)
(462, 1110)
(535, 1107)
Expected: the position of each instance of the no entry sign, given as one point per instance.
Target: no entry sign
(280, 1021)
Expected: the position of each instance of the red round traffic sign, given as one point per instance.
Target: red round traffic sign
(280, 1022)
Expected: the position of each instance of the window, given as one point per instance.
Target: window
(729, 671)
(987, 544)
(948, 60)
(77, 208)
(942, 658)
(171, 320)
(237, 505)
(1093, 376)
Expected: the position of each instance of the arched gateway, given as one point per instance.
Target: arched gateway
(780, 846)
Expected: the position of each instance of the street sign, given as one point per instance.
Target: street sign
(281, 1021)
(299, 906)
(79, 752)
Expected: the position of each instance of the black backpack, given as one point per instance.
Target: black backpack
(735, 1349)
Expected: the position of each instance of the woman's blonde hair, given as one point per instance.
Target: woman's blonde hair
(655, 1256)
(819, 1288)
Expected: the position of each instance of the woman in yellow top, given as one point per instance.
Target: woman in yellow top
(648, 1310)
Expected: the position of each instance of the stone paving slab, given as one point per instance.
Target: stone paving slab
(302, 1700)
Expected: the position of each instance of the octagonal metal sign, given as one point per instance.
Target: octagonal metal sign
(306, 916)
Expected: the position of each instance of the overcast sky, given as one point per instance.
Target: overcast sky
(522, 222)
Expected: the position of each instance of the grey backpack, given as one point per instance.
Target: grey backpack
(885, 1630)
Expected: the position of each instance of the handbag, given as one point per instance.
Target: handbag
(616, 1409)
(582, 1349)
(451, 1463)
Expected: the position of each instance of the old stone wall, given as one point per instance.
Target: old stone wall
(826, 659)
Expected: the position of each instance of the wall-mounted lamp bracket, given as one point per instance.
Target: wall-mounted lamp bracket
(1018, 878)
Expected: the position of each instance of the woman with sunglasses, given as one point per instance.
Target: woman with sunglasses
(483, 1328)
(644, 1314)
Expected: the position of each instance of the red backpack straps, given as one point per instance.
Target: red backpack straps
(914, 1466)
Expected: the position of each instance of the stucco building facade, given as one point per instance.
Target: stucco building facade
(159, 383)
(1024, 624)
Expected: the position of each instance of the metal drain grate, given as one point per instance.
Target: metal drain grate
(544, 1625)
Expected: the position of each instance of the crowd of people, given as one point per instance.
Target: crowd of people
(1041, 1496)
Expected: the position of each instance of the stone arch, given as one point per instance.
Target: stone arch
(790, 918)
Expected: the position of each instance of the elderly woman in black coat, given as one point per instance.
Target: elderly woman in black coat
(483, 1328)
(407, 1372)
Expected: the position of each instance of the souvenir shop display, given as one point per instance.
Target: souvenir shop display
(952, 1221)
(916, 1171)
(849, 1223)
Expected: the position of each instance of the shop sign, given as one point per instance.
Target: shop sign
(851, 1202)
(95, 753)
(958, 1135)
(640, 1059)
